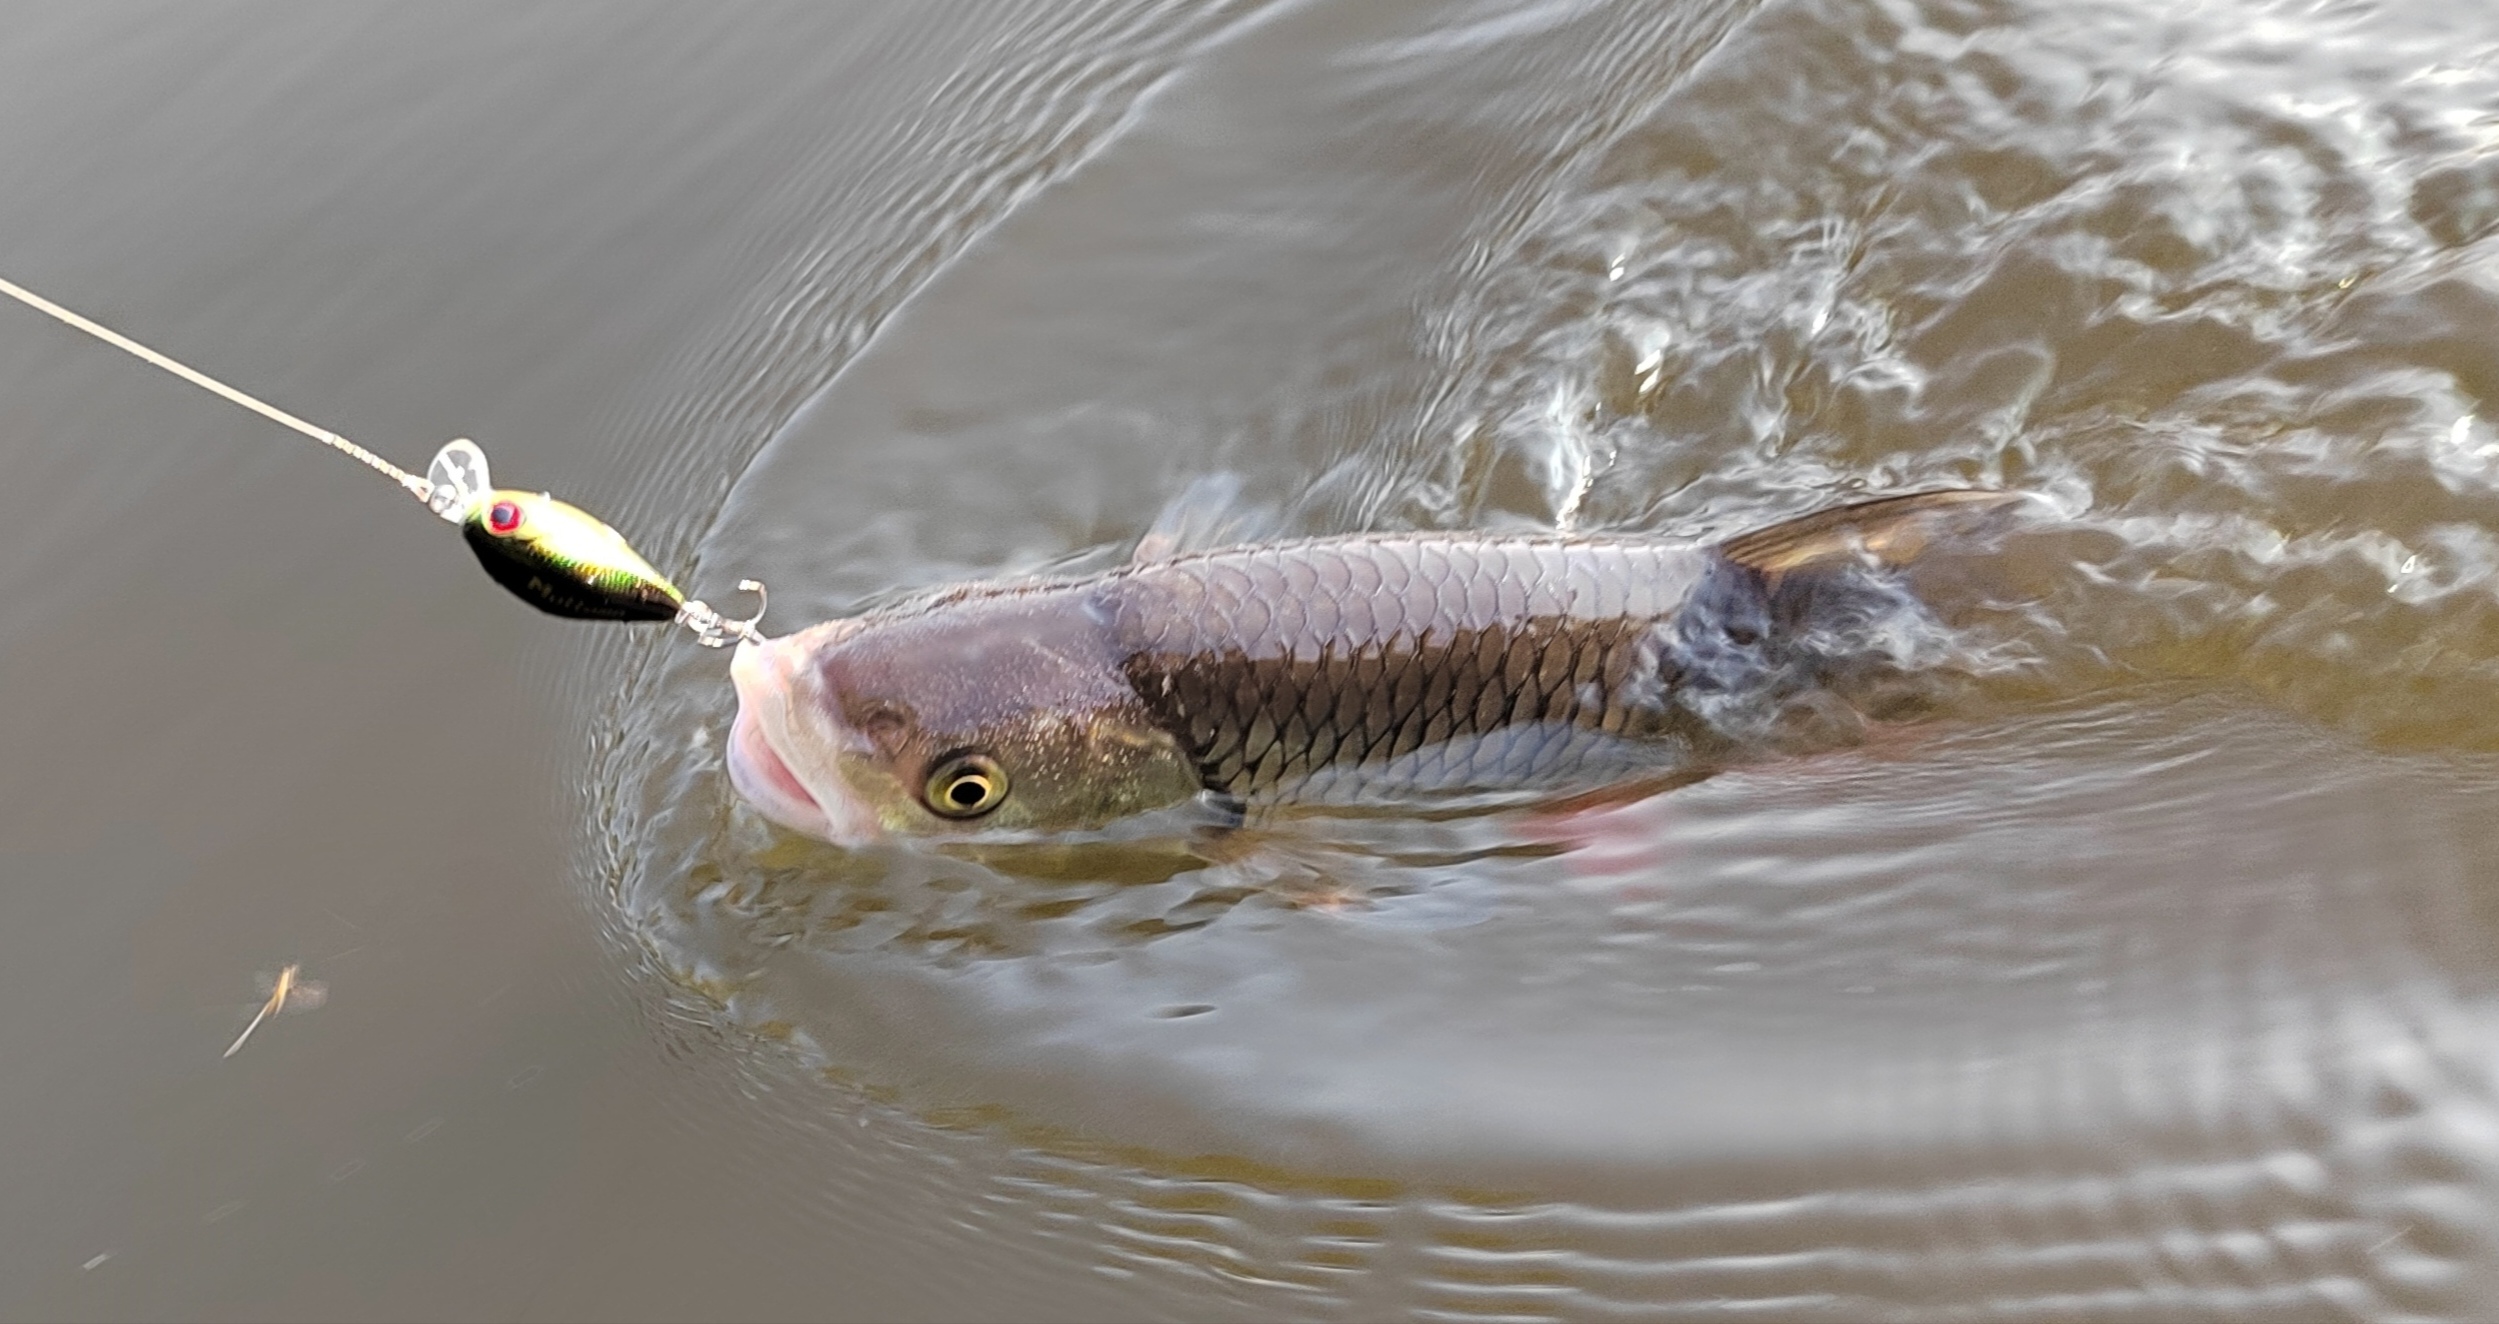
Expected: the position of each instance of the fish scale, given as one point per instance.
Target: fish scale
(1431, 661)
(1469, 661)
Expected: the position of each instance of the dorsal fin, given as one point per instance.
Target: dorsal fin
(1892, 529)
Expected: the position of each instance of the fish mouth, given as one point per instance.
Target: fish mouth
(760, 760)
(764, 778)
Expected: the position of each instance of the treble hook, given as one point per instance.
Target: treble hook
(713, 630)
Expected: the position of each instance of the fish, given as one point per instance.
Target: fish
(1358, 669)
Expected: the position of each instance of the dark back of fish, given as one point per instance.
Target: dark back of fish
(1452, 662)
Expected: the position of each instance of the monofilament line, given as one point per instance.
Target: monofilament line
(416, 485)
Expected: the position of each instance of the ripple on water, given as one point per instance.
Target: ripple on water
(2152, 979)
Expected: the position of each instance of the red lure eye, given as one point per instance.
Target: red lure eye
(503, 517)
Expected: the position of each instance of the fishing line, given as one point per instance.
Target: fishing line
(551, 554)
(423, 490)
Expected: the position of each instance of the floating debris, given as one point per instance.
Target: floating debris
(288, 991)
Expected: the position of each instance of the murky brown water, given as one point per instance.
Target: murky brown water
(2151, 977)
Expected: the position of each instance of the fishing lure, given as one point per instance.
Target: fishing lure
(551, 554)
(562, 559)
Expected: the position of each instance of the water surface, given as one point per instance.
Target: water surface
(2148, 974)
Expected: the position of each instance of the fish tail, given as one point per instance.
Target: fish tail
(1788, 606)
(1891, 530)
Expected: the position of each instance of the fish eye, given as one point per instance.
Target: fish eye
(966, 786)
(503, 516)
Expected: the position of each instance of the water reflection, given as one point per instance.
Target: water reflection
(2148, 977)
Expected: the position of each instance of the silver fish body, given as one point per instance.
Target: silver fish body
(1394, 666)
(1365, 667)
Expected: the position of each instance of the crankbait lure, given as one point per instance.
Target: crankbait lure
(551, 554)
(562, 559)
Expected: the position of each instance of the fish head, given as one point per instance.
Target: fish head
(1008, 713)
